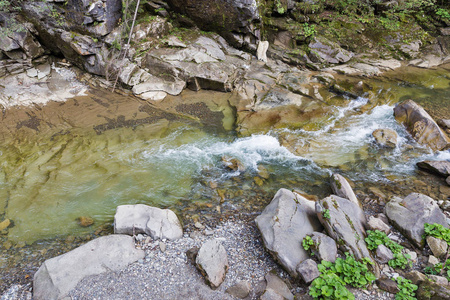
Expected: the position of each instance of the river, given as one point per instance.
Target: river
(53, 176)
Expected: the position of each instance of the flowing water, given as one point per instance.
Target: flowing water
(51, 178)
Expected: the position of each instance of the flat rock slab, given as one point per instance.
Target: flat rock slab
(344, 222)
(421, 126)
(59, 275)
(153, 221)
(212, 261)
(410, 214)
(283, 225)
(441, 168)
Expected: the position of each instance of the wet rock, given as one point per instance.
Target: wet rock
(385, 137)
(387, 285)
(410, 214)
(421, 126)
(212, 261)
(4, 224)
(416, 277)
(308, 270)
(240, 290)
(430, 290)
(155, 222)
(378, 224)
(383, 254)
(262, 50)
(85, 221)
(59, 275)
(284, 223)
(342, 188)
(437, 246)
(325, 51)
(233, 164)
(324, 247)
(342, 221)
(276, 288)
(441, 168)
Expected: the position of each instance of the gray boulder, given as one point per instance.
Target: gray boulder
(342, 221)
(308, 270)
(383, 254)
(342, 188)
(378, 224)
(441, 168)
(324, 247)
(236, 20)
(385, 137)
(438, 247)
(212, 261)
(240, 290)
(421, 126)
(155, 222)
(59, 275)
(276, 288)
(284, 223)
(410, 214)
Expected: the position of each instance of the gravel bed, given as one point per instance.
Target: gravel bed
(172, 275)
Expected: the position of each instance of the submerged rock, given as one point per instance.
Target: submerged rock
(410, 214)
(343, 221)
(385, 137)
(284, 223)
(421, 126)
(59, 275)
(155, 222)
(212, 261)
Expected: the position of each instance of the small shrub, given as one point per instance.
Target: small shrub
(376, 238)
(334, 276)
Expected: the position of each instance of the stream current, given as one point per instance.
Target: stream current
(48, 181)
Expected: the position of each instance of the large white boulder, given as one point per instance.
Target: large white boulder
(155, 222)
(59, 275)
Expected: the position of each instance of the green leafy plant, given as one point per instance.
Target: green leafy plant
(400, 261)
(443, 13)
(326, 213)
(309, 30)
(376, 238)
(329, 286)
(437, 231)
(407, 289)
(307, 243)
(334, 276)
